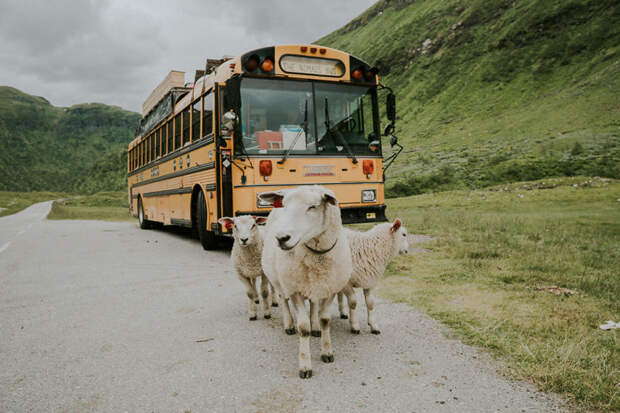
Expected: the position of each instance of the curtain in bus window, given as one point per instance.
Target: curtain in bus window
(349, 115)
(207, 116)
(177, 131)
(196, 120)
(273, 116)
(186, 126)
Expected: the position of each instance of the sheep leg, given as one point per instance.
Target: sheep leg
(274, 297)
(252, 295)
(352, 300)
(266, 294)
(370, 306)
(253, 281)
(303, 326)
(341, 306)
(314, 319)
(327, 354)
(289, 328)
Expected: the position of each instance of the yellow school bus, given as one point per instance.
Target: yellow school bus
(270, 119)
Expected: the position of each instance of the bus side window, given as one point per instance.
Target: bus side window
(153, 140)
(185, 126)
(207, 116)
(169, 136)
(177, 131)
(196, 120)
(157, 145)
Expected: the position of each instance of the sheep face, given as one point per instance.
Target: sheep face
(303, 214)
(245, 230)
(399, 234)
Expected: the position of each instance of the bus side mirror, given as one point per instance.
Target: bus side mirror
(390, 104)
(229, 120)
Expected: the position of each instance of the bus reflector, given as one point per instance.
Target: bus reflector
(265, 167)
(267, 65)
(304, 48)
(322, 51)
(368, 166)
(357, 74)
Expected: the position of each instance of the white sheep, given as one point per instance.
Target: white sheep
(371, 251)
(306, 256)
(246, 258)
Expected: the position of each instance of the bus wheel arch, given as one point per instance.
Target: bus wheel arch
(142, 221)
(207, 238)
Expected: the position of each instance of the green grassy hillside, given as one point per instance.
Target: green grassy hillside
(43, 147)
(495, 91)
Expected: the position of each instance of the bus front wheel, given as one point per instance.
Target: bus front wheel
(207, 238)
(144, 223)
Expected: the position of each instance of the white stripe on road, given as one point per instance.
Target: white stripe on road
(5, 246)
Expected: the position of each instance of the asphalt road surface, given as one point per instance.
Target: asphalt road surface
(99, 316)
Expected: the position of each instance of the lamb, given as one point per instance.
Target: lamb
(246, 257)
(306, 256)
(371, 251)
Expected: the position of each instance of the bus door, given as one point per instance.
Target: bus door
(225, 147)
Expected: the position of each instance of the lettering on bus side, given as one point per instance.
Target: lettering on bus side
(319, 170)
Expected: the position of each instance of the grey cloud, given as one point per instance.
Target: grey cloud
(116, 52)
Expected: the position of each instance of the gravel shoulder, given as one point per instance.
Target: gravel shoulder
(101, 316)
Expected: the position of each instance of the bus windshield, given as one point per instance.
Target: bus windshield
(307, 117)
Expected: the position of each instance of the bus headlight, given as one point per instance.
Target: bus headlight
(369, 195)
(262, 204)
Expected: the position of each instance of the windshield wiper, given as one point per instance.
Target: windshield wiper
(304, 129)
(338, 134)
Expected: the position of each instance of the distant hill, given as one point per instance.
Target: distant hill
(43, 147)
(492, 91)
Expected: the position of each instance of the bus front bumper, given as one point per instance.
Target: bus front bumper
(358, 215)
(350, 215)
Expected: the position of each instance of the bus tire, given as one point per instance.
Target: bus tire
(207, 238)
(144, 223)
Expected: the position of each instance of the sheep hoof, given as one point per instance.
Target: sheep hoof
(267, 316)
(305, 374)
(344, 316)
(327, 358)
(353, 331)
(253, 318)
(256, 301)
(290, 331)
(375, 331)
(274, 304)
(315, 333)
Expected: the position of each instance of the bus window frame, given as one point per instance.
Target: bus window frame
(375, 110)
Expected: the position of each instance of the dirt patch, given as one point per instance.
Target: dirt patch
(282, 400)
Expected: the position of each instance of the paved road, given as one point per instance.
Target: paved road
(98, 316)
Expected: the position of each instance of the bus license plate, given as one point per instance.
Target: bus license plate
(371, 215)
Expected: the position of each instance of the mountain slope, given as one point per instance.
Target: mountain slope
(43, 147)
(494, 91)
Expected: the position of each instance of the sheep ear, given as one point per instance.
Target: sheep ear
(273, 198)
(260, 220)
(397, 223)
(226, 222)
(329, 196)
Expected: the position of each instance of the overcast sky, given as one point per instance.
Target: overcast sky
(116, 51)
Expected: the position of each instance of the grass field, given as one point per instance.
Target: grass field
(492, 251)
(12, 202)
(105, 206)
